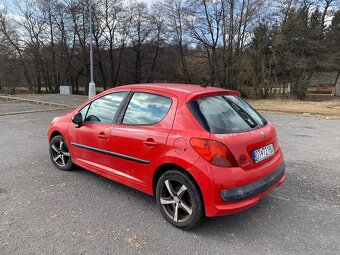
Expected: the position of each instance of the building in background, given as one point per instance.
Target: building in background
(324, 83)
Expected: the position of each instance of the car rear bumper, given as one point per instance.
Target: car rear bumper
(229, 191)
(241, 205)
(255, 188)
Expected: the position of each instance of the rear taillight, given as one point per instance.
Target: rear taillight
(214, 152)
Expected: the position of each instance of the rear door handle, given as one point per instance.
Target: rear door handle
(102, 135)
(150, 142)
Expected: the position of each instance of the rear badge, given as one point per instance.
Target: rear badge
(243, 160)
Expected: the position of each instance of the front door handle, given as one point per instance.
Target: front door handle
(150, 142)
(102, 135)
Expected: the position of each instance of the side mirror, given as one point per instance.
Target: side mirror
(77, 119)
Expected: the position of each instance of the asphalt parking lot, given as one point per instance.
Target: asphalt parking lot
(47, 211)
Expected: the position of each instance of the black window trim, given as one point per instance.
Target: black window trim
(87, 105)
(127, 102)
(119, 109)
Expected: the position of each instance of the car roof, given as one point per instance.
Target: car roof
(186, 92)
(175, 88)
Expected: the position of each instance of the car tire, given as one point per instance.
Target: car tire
(60, 154)
(179, 199)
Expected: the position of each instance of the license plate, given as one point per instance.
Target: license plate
(263, 153)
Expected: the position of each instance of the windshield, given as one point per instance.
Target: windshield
(226, 114)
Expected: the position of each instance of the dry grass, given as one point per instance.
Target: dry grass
(325, 109)
(6, 101)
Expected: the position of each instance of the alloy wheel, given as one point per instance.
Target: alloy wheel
(176, 200)
(60, 154)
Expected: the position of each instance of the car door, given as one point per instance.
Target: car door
(141, 133)
(89, 141)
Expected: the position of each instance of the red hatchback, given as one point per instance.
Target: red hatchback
(201, 151)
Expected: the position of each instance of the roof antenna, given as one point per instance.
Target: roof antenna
(206, 84)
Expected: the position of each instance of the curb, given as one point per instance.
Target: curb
(330, 116)
(35, 101)
(34, 111)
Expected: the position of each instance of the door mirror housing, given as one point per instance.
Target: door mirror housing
(77, 119)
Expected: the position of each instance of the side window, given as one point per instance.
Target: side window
(103, 109)
(146, 109)
(84, 111)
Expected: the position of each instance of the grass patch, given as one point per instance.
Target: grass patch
(324, 109)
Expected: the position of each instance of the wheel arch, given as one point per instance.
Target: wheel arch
(55, 133)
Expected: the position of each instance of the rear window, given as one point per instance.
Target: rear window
(226, 114)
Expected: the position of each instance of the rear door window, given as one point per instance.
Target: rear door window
(146, 109)
(226, 114)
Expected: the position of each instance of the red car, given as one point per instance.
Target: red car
(201, 151)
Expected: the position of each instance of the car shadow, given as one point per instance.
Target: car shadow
(116, 185)
(247, 223)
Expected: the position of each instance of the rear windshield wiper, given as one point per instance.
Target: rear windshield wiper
(243, 114)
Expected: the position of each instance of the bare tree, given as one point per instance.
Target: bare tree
(176, 13)
(12, 38)
(326, 5)
(158, 22)
(229, 43)
(33, 27)
(47, 9)
(205, 26)
(115, 37)
(139, 35)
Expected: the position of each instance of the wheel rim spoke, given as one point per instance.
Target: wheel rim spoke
(67, 154)
(181, 190)
(61, 146)
(55, 148)
(186, 208)
(167, 201)
(63, 160)
(168, 186)
(56, 158)
(176, 213)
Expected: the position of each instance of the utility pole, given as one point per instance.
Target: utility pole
(92, 85)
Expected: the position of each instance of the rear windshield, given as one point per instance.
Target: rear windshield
(226, 114)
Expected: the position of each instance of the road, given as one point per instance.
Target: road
(47, 211)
